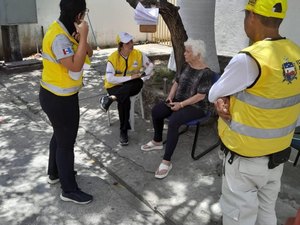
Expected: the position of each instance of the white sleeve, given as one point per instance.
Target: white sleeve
(239, 74)
(110, 75)
(148, 65)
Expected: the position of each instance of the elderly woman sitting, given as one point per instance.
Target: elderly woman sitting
(186, 101)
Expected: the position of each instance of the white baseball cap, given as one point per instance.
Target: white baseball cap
(123, 37)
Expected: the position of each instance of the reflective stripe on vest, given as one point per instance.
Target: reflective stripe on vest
(264, 115)
(59, 90)
(49, 58)
(261, 133)
(266, 103)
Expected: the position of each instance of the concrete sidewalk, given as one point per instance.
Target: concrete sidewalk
(121, 179)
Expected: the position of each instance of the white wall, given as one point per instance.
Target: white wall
(229, 25)
(290, 25)
(108, 17)
(198, 19)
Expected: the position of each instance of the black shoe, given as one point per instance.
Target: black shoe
(123, 138)
(54, 179)
(105, 102)
(77, 196)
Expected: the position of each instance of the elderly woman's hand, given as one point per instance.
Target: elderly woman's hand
(175, 106)
(222, 107)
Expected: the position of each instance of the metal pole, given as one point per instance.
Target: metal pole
(93, 31)
(165, 88)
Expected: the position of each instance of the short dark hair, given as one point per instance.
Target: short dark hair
(69, 10)
(271, 22)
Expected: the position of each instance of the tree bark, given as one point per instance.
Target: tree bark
(11, 43)
(171, 16)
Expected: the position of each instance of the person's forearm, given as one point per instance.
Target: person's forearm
(111, 78)
(89, 50)
(173, 90)
(79, 57)
(213, 94)
(192, 100)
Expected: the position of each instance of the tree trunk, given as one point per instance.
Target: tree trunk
(170, 15)
(199, 21)
(11, 43)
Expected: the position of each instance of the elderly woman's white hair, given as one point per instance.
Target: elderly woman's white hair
(198, 47)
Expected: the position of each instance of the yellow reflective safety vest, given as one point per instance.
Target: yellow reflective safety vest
(55, 77)
(125, 67)
(264, 115)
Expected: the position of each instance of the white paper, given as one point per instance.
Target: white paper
(147, 16)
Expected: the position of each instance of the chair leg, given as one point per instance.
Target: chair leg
(296, 159)
(184, 130)
(141, 104)
(108, 117)
(132, 105)
(207, 150)
(180, 133)
(131, 117)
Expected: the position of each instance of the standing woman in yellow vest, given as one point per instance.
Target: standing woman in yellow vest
(124, 79)
(258, 100)
(65, 54)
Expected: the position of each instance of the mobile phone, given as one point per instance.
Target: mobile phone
(167, 102)
(143, 74)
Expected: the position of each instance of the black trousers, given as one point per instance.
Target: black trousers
(123, 93)
(63, 113)
(176, 118)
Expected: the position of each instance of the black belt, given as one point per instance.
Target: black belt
(275, 159)
(232, 153)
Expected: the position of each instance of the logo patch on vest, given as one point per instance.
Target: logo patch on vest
(289, 71)
(135, 63)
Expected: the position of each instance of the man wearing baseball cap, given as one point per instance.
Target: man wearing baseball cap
(123, 79)
(257, 99)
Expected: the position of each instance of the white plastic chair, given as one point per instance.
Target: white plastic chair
(132, 105)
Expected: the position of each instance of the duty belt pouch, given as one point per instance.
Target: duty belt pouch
(277, 158)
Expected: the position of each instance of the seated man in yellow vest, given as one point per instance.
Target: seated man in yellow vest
(124, 78)
(258, 119)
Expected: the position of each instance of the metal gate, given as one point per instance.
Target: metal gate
(162, 34)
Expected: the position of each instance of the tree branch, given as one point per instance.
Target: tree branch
(170, 15)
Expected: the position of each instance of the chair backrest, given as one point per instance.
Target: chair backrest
(297, 130)
(296, 141)
(216, 77)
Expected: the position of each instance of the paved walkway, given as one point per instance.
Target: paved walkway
(120, 178)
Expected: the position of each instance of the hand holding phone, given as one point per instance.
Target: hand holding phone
(167, 102)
